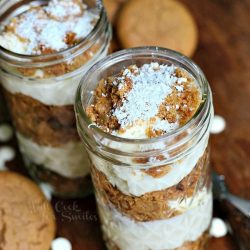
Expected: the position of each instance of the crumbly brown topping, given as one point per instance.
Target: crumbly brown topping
(48, 28)
(61, 68)
(158, 97)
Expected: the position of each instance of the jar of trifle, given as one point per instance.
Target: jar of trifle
(45, 49)
(144, 116)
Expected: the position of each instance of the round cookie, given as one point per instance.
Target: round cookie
(163, 23)
(26, 218)
(111, 7)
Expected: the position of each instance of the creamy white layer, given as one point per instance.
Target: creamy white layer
(52, 91)
(69, 160)
(166, 234)
(139, 128)
(136, 182)
(48, 91)
(182, 205)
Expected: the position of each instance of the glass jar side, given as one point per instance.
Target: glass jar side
(150, 188)
(40, 93)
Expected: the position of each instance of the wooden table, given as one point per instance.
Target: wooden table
(223, 54)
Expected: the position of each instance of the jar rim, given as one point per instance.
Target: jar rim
(146, 50)
(9, 55)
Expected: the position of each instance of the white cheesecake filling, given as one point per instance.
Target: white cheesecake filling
(69, 160)
(136, 182)
(167, 234)
(182, 205)
(139, 128)
(48, 91)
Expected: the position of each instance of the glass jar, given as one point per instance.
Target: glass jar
(40, 92)
(151, 193)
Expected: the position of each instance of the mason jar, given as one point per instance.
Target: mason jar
(40, 92)
(152, 193)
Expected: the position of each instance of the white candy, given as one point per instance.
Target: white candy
(47, 190)
(6, 132)
(61, 244)
(218, 124)
(7, 153)
(218, 228)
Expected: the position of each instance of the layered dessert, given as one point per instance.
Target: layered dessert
(53, 44)
(147, 204)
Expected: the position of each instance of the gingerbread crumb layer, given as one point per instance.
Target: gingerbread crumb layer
(63, 186)
(159, 98)
(60, 69)
(45, 124)
(152, 205)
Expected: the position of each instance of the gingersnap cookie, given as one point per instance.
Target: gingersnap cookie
(26, 217)
(111, 7)
(163, 23)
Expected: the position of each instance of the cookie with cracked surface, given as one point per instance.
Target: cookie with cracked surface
(163, 23)
(26, 218)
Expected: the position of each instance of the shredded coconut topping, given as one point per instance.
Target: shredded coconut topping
(48, 26)
(150, 85)
(62, 9)
(144, 101)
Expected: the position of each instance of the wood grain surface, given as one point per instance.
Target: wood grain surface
(223, 54)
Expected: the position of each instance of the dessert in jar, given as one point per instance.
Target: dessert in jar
(45, 49)
(144, 116)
